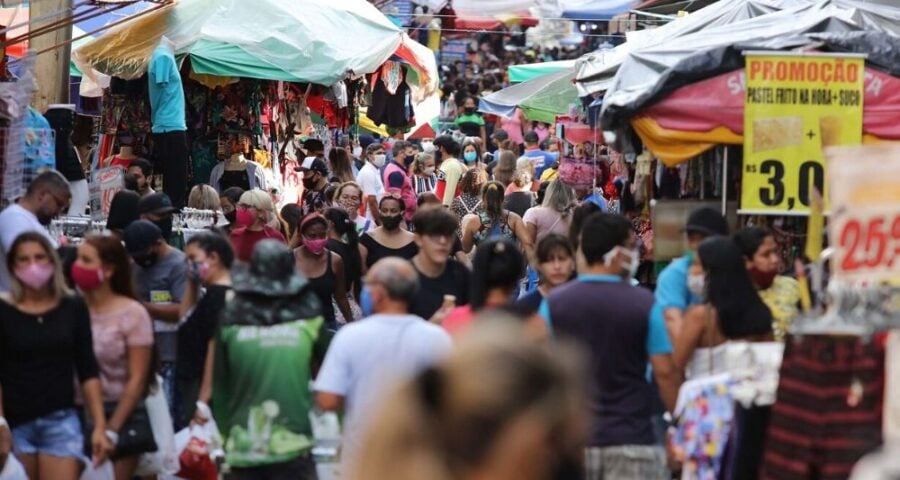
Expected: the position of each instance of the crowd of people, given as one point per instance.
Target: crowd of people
(394, 273)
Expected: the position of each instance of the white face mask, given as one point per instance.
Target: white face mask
(428, 147)
(634, 259)
(357, 151)
(378, 160)
(429, 171)
(697, 283)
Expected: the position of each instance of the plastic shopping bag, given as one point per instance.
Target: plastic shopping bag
(195, 459)
(103, 472)
(164, 461)
(13, 469)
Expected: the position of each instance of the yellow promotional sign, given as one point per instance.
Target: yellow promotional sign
(795, 106)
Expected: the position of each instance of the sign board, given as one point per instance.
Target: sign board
(669, 218)
(864, 227)
(796, 105)
(454, 50)
(105, 184)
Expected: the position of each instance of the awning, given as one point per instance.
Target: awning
(541, 99)
(594, 10)
(523, 73)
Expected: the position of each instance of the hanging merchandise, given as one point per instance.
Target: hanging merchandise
(391, 98)
(40, 145)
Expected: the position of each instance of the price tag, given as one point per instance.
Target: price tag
(795, 105)
(865, 223)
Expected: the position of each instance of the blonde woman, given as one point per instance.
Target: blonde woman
(204, 197)
(554, 215)
(255, 213)
(501, 407)
(45, 338)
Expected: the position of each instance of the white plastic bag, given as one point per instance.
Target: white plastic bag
(13, 469)
(103, 472)
(164, 461)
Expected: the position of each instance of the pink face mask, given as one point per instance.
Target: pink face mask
(35, 275)
(316, 247)
(244, 217)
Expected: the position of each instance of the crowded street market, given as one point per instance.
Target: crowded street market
(450, 239)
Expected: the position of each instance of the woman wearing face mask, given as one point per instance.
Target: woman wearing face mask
(732, 310)
(122, 336)
(229, 200)
(323, 268)
(45, 337)
(472, 153)
(210, 257)
(470, 122)
(344, 241)
(254, 213)
(388, 240)
(780, 293)
(349, 197)
(555, 266)
(422, 169)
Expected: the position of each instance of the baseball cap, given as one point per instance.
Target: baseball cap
(707, 221)
(313, 164)
(158, 203)
(531, 137)
(140, 236)
(314, 144)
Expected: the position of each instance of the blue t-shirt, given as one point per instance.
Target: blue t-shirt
(618, 324)
(541, 160)
(166, 94)
(672, 288)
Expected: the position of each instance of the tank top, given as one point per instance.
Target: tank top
(494, 228)
(324, 285)
(377, 251)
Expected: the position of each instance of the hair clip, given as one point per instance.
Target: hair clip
(499, 247)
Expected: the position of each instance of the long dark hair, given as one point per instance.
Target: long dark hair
(750, 239)
(729, 289)
(579, 215)
(492, 197)
(498, 264)
(112, 252)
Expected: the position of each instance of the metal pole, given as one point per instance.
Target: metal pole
(725, 181)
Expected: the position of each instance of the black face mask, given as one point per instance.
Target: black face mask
(165, 225)
(309, 183)
(147, 261)
(470, 110)
(409, 160)
(231, 216)
(44, 219)
(392, 222)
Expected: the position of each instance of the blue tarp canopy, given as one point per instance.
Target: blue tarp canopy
(594, 10)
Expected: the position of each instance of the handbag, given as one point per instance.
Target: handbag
(135, 436)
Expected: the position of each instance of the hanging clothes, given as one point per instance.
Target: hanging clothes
(392, 109)
(828, 410)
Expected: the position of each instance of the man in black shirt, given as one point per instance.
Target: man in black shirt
(439, 277)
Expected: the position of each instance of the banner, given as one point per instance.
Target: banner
(105, 184)
(864, 227)
(794, 107)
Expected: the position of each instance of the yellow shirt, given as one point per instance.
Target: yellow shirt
(549, 175)
(783, 299)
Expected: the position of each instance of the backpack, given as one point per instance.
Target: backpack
(494, 229)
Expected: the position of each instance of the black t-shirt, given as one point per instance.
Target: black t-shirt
(39, 357)
(194, 335)
(454, 281)
(531, 302)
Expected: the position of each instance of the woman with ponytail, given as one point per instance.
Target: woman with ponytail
(344, 240)
(494, 221)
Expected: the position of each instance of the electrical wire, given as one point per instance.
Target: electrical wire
(503, 32)
(521, 17)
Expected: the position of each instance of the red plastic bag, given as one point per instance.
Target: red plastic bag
(196, 464)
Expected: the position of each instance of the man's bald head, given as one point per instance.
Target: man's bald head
(398, 278)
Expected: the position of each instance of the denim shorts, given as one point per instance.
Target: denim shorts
(56, 434)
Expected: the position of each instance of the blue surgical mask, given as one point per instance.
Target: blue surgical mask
(470, 157)
(365, 302)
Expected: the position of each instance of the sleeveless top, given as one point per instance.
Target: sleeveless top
(495, 228)
(234, 178)
(377, 251)
(323, 286)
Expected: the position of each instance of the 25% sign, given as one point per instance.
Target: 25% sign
(865, 223)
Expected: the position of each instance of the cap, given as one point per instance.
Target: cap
(314, 144)
(140, 236)
(706, 221)
(531, 137)
(313, 164)
(155, 203)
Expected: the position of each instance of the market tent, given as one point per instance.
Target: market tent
(265, 39)
(541, 99)
(523, 73)
(16, 16)
(595, 10)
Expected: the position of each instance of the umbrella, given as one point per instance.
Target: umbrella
(541, 99)
(265, 39)
(595, 10)
(523, 73)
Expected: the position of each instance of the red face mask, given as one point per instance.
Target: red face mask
(763, 280)
(244, 217)
(86, 279)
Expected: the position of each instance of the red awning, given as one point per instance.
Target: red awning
(478, 23)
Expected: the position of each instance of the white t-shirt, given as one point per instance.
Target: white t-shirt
(368, 355)
(369, 179)
(15, 220)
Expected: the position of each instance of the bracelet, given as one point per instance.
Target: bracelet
(3, 423)
(113, 437)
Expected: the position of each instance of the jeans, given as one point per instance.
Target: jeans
(57, 434)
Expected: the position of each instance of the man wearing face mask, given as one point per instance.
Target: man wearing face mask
(158, 209)
(47, 196)
(674, 291)
(451, 169)
(369, 179)
(315, 180)
(615, 322)
(161, 276)
(396, 176)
